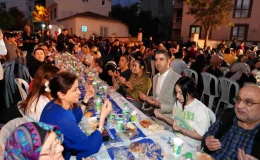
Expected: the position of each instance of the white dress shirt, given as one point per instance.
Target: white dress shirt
(3, 52)
(160, 82)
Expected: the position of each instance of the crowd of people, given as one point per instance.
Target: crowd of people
(148, 75)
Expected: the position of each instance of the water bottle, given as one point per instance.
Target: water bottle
(110, 120)
(188, 156)
(82, 89)
(98, 104)
(125, 113)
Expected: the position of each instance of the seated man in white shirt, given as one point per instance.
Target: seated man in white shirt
(163, 97)
(178, 65)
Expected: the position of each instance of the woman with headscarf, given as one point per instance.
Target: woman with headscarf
(240, 72)
(34, 141)
(213, 68)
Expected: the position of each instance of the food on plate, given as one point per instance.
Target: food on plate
(88, 114)
(203, 156)
(155, 128)
(130, 126)
(137, 147)
(145, 123)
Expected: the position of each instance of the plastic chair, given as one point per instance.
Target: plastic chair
(20, 83)
(212, 116)
(191, 73)
(225, 88)
(207, 80)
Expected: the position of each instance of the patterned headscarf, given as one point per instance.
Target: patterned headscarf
(26, 141)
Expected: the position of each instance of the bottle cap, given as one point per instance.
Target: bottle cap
(188, 155)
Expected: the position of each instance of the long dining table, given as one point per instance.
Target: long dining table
(161, 139)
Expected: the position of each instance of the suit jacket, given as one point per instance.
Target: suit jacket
(166, 97)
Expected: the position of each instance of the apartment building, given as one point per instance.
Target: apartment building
(25, 6)
(244, 17)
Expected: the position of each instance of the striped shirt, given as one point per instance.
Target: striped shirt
(235, 138)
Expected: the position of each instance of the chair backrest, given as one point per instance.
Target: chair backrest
(225, 89)
(212, 116)
(207, 80)
(191, 73)
(20, 83)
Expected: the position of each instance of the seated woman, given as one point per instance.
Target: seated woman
(39, 94)
(138, 82)
(119, 77)
(34, 141)
(190, 116)
(36, 61)
(240, 72)
(63, 112)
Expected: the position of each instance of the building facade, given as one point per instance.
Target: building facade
(59, 9)
(25, 6)
(244, 17)
(161, 9)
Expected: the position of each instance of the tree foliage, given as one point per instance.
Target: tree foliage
(41, 14)
(19, 18)
(210, 13)
(7, 21)
(134, 20)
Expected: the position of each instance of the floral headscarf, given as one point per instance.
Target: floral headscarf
(26, 141)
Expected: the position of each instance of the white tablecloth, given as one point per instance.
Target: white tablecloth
(120, 100)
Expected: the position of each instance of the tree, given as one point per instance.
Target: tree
(210, 13)
(41, 14)
(19, 18)
(7, 21)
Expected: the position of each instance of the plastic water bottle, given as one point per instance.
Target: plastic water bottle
(188, 156)
(98, 104)
(125, 113)
(82, 89)
(110, 120)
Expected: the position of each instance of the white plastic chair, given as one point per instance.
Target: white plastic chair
(20, 83)
(207, 80)
(225, 88)
(191, 73)
(143, 106)
(212, 116)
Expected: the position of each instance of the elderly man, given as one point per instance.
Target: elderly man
(236, 135)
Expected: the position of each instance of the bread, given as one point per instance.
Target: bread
(203, 156)
(145, 123)
(88, 114)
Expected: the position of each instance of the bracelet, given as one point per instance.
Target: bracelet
(84, 103)
(101, 129)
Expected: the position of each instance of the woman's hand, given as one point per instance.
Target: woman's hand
(128, 85)
(110, 73)
(106, 108)
(175, 126)
(117, 74)
(158, 114)
(122, 80)
(90, 92)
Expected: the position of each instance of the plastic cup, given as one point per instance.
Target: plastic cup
(177, 146)
(119, 124)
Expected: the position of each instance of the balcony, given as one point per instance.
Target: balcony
(178, 4)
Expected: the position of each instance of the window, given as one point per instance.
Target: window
(30, 8)
(103, 2)
(242, 8)
(195, 29)
(84, 0)
(239, 31)
(103, 31)
(3, 5)
(55, 13)
(51, 15)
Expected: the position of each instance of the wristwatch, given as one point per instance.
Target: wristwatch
(84, 103)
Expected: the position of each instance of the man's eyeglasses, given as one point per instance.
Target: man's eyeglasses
(247, 102)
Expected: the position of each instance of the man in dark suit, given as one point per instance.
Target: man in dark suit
(62, 40)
